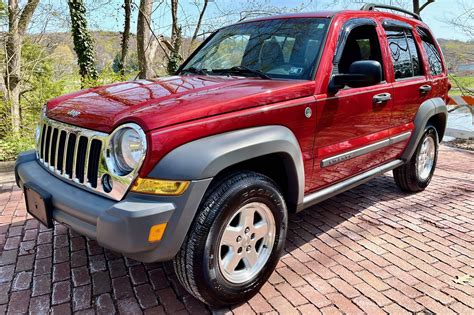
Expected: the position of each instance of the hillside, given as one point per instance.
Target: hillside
(108, 47)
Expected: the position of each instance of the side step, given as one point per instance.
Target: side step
(323, 194)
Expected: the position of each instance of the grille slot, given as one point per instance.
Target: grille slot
(53, 145)
(81, 158)
(94, 157)
(69, 153)
(61, 145)
(71, 145)
(47, 144)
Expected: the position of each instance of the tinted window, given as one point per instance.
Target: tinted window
(415, 59)
(401, 56)
(361, 44)
(434, 58)
(280, 48)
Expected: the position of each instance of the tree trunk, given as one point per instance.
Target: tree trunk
(145, 45)
(18, 21)
(83, 43)
(176, 40)
(417, 8)
(127, 6)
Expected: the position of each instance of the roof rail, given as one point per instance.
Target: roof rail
(373, 6)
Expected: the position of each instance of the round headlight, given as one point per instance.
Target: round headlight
(128, 148)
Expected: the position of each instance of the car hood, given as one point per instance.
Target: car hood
(170, 100)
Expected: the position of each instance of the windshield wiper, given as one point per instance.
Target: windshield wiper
(195, 70)
(243, 70)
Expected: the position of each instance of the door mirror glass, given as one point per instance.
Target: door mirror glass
(361, 73)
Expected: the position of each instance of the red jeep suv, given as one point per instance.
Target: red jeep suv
(266, 117)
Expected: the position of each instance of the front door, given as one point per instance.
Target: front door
(353, 123)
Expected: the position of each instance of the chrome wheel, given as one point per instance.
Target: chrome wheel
(425, 158)
(246, 242)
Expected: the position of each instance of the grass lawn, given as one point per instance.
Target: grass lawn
(466, 82)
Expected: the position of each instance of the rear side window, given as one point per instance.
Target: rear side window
(415, 59)
(404, 52)
(434, 58)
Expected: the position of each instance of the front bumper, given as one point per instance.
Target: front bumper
(120, 226)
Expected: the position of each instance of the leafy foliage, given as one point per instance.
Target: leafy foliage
(40, 84)
(83, 43)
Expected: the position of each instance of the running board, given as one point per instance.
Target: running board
(323, 194)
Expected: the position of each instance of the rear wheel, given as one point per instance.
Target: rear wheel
(235, 240)
(416, 174)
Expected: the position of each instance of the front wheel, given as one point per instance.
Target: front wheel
(235, 240)
(416, 174)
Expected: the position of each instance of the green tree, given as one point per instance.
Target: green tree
(18, 21)
(176, 40)
(83, 43)
(127, 7)
(40, 83)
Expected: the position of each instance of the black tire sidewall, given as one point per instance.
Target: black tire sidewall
(239, 195)
(430, 131)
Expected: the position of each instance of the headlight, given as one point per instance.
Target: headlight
(127, 149)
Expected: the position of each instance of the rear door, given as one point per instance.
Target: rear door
(411, 85)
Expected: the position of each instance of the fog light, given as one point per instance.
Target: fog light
(156, 232)
(107, 183)
(159, 186)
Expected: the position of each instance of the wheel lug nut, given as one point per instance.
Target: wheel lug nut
(249, 248)
(239, 250)
(252, 236)
(247, 230)
(239, 238)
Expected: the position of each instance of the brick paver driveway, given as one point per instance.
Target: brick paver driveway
(372, 249)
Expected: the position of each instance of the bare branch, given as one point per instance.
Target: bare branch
(26, 15)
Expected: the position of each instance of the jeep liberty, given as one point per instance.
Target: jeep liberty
(268, 116)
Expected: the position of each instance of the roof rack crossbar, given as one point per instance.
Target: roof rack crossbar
(373, 6)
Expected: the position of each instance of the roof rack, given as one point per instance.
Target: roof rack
(373, 6)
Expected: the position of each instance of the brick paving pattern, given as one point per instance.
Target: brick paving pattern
(370, 250)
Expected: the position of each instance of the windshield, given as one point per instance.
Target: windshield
(280, 48)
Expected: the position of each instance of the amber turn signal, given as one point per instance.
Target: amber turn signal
(156, 232)
(159, 186)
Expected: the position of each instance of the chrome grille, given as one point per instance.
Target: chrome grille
(72, 152)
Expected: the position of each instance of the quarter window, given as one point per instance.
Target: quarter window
(434, 58)
(404, 52)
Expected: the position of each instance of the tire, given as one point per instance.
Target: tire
(200, 263)
(408, 176)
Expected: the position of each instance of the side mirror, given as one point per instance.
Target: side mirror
(361, 73)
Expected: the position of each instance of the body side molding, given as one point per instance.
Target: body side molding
(365, 149)
(206, 157)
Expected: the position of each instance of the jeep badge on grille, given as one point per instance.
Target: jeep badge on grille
(73, 113)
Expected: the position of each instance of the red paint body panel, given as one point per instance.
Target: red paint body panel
(179, 109)
(163, 102)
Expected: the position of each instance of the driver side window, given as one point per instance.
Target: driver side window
(362, 44)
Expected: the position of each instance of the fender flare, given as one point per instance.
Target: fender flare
(206, 157)
(427, 110)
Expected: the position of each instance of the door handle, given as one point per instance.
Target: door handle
(424, 89)
(381, 98)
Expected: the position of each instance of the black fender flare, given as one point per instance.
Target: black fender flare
(426, 111)
(206, 157)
